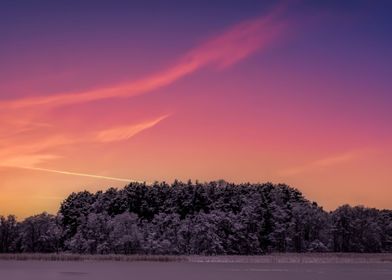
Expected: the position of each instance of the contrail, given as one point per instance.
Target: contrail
(79, 174)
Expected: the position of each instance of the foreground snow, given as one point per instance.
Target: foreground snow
(285, 258)
(298, 258)
(98, 270)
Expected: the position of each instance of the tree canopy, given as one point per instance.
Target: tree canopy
(198, 218)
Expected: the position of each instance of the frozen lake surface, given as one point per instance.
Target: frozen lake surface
(107, 270)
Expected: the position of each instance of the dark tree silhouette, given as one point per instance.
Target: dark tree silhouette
(198, 218)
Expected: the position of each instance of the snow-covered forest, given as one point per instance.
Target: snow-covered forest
(198, 218)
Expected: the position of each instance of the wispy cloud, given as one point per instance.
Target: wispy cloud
(322, 163)
(233, 45)
(29, 155)
(10, 149)
(26, 160)
(125, 132)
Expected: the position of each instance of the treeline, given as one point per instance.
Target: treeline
(194, 218)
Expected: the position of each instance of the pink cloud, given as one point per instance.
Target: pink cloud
(125, 132)
(325, 162)
(226, 49)
(34, 152)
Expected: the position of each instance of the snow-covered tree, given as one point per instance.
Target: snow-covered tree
(198, 218)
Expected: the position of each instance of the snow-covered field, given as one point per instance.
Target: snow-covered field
(117, 267)
(270, 258)
(103, 270)
(287, 258)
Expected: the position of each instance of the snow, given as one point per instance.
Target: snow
(102, 270)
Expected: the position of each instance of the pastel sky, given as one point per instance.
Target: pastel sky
(95, 94)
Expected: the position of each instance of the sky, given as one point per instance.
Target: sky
(96, 94)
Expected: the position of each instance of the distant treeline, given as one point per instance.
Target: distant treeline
(197, 218)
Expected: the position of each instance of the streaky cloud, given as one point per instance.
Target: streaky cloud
(226, 49)
(29, 160)
(125, 132)
(28, 156)
(323, 162)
